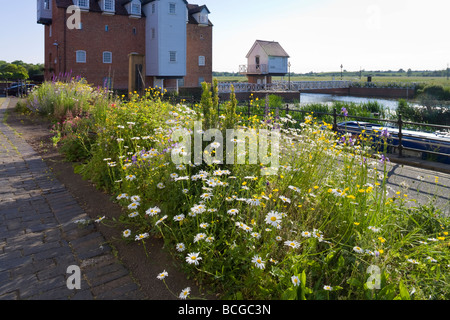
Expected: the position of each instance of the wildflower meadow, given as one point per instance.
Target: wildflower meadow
(322, 224)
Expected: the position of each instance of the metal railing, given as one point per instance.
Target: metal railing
(401, 138)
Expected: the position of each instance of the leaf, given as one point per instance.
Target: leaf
(289, 294)
(355, 282)
(404, 294)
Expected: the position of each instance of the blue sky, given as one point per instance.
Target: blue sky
(319, 35)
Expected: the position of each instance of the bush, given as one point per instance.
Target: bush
(310, 231)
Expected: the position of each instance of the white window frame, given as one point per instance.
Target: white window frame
(105, 54)
(82, 58)
(172, 8)
(83, 4)
(111, 5)
(136, 8)
(201, 61)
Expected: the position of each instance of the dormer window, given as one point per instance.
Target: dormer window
(134, 9)
(108, 6)
(83, 4)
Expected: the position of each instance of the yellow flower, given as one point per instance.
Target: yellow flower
(441, 238)
(382, 239)
(356, 223)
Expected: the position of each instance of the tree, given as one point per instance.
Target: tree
(13, 71)
(409, 73)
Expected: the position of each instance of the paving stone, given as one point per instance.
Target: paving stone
(39, 239)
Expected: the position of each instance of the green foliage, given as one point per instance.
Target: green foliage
(330, 225)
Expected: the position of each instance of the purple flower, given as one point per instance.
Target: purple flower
(384, 159)
(344, 112)
(385, 133)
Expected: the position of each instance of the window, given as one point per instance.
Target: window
(107, 57)
(108, 5)
(172, 8)
(153, 8)
(81, 56)
(106, 28)
(172, 56)
(201, 61)
(203, 18)
(134, 31)
(181, 82)
(136, 8)
(47, 4)
(50, 31)
(83, 4)
(200, 81)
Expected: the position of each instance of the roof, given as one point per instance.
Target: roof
(193, 9)
(271, 48)
(95, 6)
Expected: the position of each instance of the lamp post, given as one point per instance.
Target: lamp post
(289, 65)
(341, 72)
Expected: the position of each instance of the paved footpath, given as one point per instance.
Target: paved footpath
(39, 239)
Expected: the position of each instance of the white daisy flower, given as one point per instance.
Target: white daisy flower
(358, 249)
(162, 275)
(126, 233)
(193, 258)
(185, 293)
(153, 211)
(179, 217)
(259, 263)
(295, 280)
(141, 236)
(284, 199)
(273, 218)
(199, 236)
(180, 247)
(135, 199)
(161, 220)
(233, 212)
(133, 205)
(100, 219)
(293, 244)
(160, 185)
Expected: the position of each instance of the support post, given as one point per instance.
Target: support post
(334, 119)
(400, 136)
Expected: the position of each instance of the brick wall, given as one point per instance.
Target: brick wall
(199, 43)
(124, 36)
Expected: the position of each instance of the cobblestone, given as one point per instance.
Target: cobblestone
(39, 239)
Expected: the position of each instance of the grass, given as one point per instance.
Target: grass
(306, 232)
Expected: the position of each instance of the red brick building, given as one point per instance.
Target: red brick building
(100, 42)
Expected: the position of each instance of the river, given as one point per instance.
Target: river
(309, 98)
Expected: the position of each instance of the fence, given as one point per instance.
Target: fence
(18, 88)
(402, 139)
